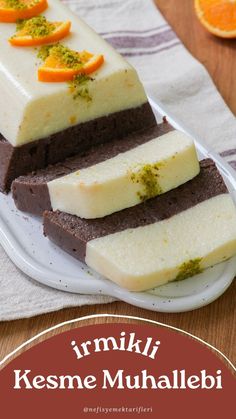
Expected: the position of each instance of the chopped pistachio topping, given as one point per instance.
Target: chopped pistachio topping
(64, 55)
(44, 52)
(79, 87)
(36, 27)
(188, 269)
(147, 177)
(19, 4)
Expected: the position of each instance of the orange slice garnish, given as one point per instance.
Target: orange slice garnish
(47, 33)
(63, 64)
(13, 10)
(218, 16)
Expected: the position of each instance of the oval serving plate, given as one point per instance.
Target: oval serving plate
(22, 238)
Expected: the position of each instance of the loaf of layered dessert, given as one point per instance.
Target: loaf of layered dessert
(112, 176)
(171, 237)
(42, 123)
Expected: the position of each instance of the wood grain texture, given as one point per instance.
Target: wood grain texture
(216, 322)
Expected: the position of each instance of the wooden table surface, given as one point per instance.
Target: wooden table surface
(216, 322)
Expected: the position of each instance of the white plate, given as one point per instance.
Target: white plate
(22, 238)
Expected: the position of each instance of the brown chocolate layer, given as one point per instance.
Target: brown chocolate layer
(31, 193)
(17, 161)
(71, 233)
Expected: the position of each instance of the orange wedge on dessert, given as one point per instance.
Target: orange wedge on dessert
(39, 31)
(13, 10)
(218, 16)
(63, 64)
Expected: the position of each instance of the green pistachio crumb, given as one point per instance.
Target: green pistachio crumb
(89, 273)
(44, 51)
(147, 177)
(36, 27)
(20, 23)
(189, 269)
(19, 4)
(64, 55)
(79, 87)
(15, 4)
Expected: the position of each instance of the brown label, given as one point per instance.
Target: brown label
(117, 371)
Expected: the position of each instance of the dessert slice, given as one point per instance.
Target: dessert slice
(124, 179)
(171, 237)
(127, 179)
(43, 123)
(31, 193)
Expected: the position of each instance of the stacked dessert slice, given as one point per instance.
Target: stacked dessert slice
(171, 237)
(112, 176)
